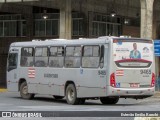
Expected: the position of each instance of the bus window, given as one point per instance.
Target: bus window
(12, 61)
(56, 58)
(90, 57)
(41, 57)
(102, 57)
(26, 57)
(73, 57)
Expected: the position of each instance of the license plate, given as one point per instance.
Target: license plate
(134, 85)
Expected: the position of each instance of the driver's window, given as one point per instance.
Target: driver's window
(12, 61)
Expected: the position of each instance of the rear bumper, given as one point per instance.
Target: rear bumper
(131, 92)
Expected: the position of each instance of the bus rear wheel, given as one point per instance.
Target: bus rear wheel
(24, 92)
(71, 95)
(109, 100)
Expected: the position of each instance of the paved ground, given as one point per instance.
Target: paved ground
(157, 94)
(13, 102)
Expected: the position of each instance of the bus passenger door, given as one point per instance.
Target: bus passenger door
(12, 62)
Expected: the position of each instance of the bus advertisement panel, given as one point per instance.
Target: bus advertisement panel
(133, 54)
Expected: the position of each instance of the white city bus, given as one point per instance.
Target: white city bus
(105, 68)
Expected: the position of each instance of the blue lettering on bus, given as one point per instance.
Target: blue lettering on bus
(81, 71)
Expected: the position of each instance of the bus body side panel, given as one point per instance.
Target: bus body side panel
(31, 82)
(40, 84)
(53, 81)
(12, 87)
(85, 92)
(92, 82)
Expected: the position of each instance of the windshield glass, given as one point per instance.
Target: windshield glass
(133, 53)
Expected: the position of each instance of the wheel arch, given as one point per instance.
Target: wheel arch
(66, 84)
(21, 80)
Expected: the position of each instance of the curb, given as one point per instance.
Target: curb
(3, 90)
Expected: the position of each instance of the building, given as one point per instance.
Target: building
(24, 20)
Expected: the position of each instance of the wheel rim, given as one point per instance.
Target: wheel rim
(70, 94)
(25, 90)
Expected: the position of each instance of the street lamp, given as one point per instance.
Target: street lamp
(45, 16)
(113, 14)
(126, 21)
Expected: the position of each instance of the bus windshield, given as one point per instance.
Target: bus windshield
(133, 53)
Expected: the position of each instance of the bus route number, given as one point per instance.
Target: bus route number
(145, 72)
(101, 72)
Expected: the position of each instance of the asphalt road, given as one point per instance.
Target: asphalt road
(13, 102)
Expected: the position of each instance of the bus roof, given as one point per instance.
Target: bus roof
(52, 42)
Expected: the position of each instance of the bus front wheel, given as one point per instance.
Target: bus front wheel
(71, 95)
(24, 92)
(109, 100)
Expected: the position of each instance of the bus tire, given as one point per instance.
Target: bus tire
(71, 95)
(24, 92)
(58, 97)
(109, 100)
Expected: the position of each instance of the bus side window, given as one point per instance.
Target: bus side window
(26, 57)
(73, 57)
(56, 58)
(102, 56)
(90, 57)
(41, 56)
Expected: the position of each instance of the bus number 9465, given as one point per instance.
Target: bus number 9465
(145, 71)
